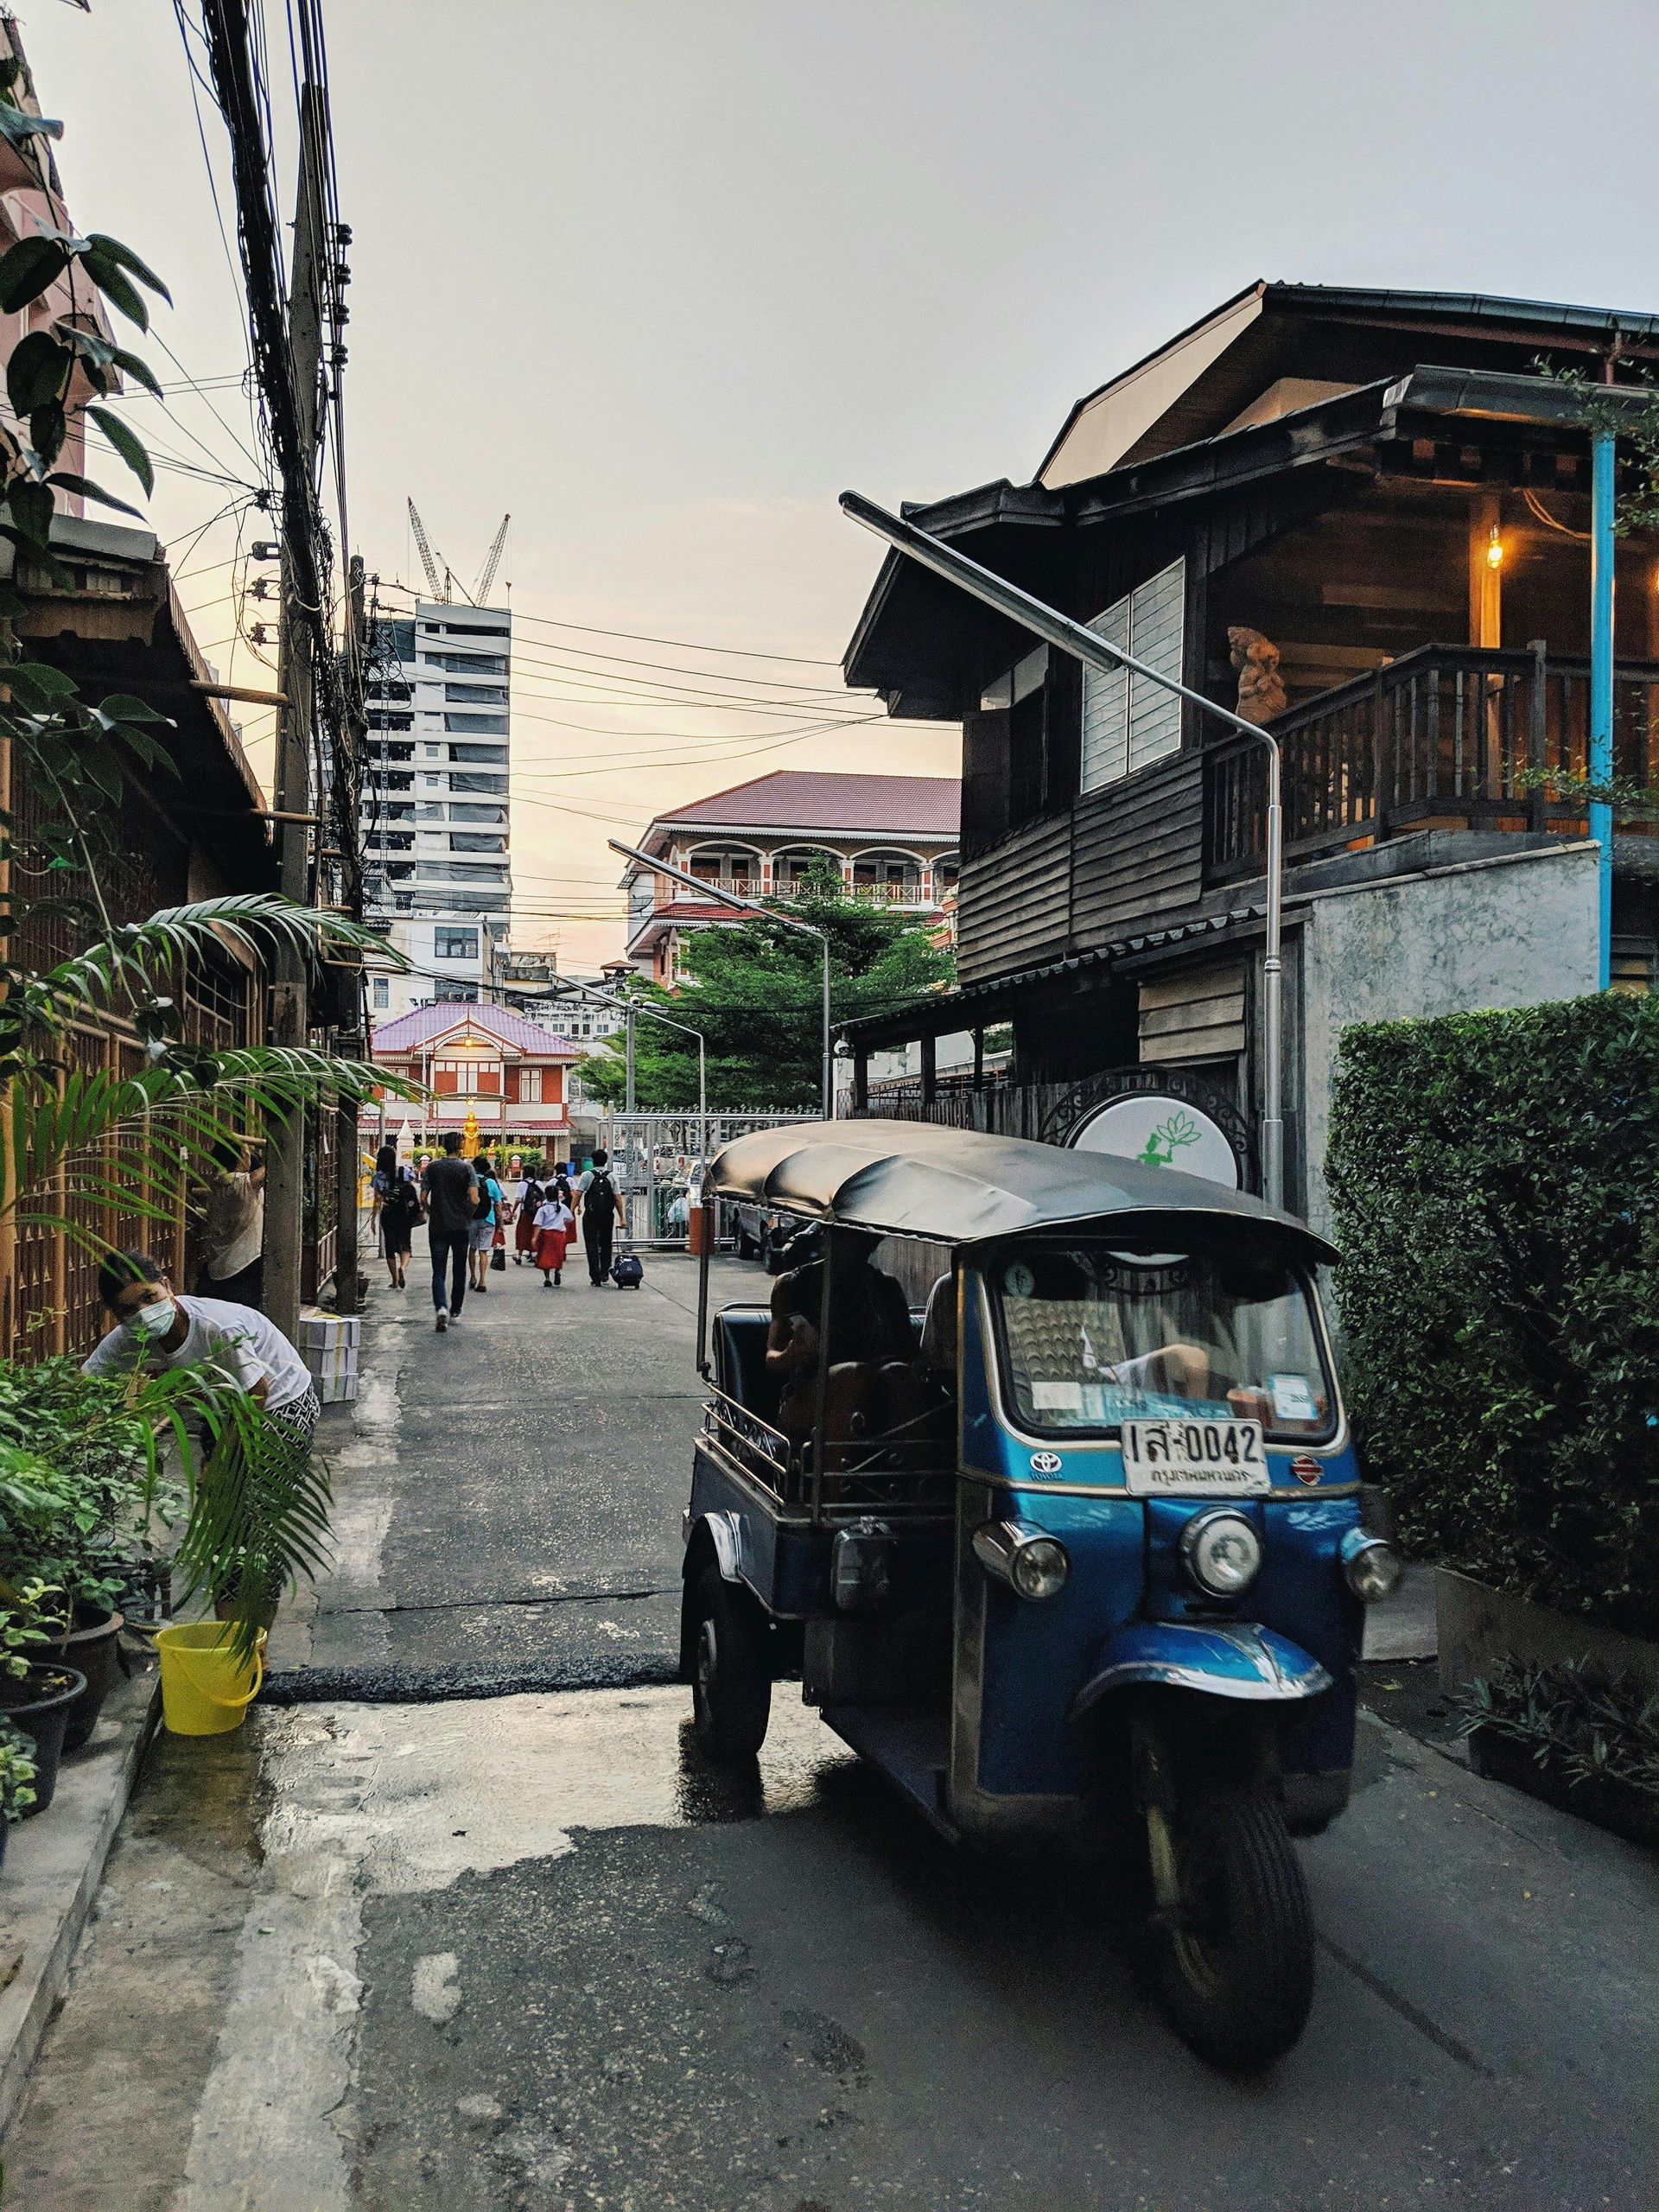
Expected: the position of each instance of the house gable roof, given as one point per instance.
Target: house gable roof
(1314, 341)
(828, 803)
(447, 1019)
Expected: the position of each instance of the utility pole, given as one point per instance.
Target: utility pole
(352, 737)
(295, 680)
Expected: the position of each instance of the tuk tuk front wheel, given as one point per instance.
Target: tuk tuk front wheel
(1236, 1928)
(731, 1681)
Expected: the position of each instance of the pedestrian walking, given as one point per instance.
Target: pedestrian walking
(481, 1243)
(400, 1210)
(600, 1205)
(233, 1228)
(528, 1201)
(555, 1224)
(450, 1191)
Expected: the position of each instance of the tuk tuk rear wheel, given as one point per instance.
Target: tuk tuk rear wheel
(731, 1679)
(1235, 1954)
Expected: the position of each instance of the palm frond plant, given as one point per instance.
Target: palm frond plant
(76, 1141)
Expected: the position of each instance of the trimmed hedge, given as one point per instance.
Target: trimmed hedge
(1495, 1179)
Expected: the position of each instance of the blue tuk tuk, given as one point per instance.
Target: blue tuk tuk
(1034, 1469)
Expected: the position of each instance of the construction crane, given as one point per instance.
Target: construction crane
(493, 560)
(443, 590)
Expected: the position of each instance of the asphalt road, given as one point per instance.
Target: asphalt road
(527, 1951)
(509, 1494)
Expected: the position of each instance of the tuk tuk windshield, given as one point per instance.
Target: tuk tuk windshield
(1092, 1336)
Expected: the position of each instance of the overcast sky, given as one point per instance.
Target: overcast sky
(662, 278)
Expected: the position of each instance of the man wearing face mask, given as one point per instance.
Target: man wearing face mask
(156, 1328)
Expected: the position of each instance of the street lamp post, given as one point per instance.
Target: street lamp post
(610, 998)
(1069, 637)
(766, 914)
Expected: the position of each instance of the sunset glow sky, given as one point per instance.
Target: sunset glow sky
(662, 279)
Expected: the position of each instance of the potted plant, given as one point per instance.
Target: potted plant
(80, 1510)
(37, 1690)
(17, 1779)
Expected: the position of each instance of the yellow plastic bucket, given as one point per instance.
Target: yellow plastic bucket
(205, 1689)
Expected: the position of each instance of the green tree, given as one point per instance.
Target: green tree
(756, 992)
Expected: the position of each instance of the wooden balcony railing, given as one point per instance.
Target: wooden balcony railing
(1447, 736)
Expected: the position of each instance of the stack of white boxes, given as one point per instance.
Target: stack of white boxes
(329, 1344)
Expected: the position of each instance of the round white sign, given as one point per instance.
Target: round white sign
(1161, 1132)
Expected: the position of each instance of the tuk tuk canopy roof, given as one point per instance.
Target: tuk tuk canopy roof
(957, 1186)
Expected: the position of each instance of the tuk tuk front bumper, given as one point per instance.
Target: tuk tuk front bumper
(1218, 1658)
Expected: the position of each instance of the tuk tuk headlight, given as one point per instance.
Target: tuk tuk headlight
(1024, 1556)
(1222, 1551)
(1375, 1570)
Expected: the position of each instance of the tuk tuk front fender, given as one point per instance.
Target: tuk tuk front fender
(1216, 1658)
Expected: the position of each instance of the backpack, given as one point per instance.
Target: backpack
(627, 1272)
(601, 1190)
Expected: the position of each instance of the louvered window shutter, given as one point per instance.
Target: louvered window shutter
(1127, 722)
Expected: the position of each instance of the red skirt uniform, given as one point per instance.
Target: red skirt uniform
(524, 1234)
(550, 1247)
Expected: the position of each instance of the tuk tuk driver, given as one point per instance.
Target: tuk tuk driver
(872, 1385)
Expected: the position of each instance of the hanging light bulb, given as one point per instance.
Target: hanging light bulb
(1494, 550)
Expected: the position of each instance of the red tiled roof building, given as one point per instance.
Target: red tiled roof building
(891, 838)
(479, 1059)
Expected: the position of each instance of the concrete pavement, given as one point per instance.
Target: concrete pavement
(529, 1951)
(509, 1494)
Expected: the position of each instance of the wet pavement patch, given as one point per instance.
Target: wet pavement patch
(395, 1684)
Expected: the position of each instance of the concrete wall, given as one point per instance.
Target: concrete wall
(1509, 931)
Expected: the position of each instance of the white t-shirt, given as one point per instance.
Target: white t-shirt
(555, 1214)
(246, 1345)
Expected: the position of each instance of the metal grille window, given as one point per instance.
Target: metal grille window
(475, 695)
(454, 944)
(477, 756)
(477, 784)
(482, 725)
(1127, 722)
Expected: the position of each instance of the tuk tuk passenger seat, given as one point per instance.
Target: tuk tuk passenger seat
(739, 1349)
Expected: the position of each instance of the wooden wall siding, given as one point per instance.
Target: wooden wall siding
(1196, 1015)
(1015, 907)
(1137, 849)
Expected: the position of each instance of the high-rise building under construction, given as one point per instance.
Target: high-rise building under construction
(435, 843)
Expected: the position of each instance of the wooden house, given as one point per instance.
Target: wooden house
(1360, 518)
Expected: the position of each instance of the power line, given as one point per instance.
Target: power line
(642, 638)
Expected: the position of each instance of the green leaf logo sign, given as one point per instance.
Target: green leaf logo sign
(1179, 1129)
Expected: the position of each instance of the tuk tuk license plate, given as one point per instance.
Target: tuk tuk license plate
(1216, 1457)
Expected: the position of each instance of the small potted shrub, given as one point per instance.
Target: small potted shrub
(37, 1689)
(79, 1506)
(17, 1779)
(1573, 1737)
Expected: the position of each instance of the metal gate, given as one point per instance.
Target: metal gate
(658, 1159)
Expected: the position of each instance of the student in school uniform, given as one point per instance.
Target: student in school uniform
(555, 1224)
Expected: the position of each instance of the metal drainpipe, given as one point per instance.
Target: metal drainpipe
(1602, 486)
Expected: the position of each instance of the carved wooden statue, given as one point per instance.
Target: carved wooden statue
(1261, 687)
